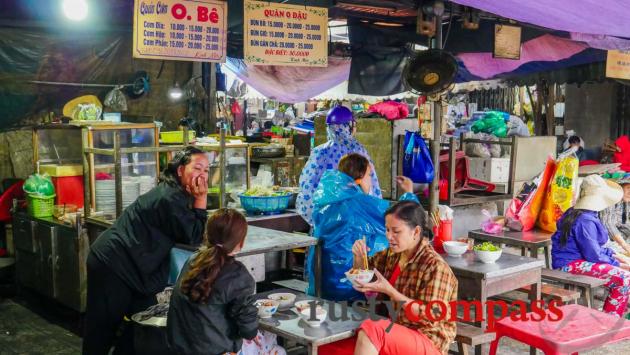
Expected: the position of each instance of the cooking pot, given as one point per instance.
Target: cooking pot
(269, 151)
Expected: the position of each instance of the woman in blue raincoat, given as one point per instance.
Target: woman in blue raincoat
(326, 156)
(343, 213)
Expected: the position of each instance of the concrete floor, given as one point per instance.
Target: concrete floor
(23, 331)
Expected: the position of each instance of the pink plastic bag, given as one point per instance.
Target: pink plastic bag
(490, 226)
(391, 110)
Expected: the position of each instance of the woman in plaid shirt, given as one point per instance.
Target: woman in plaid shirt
(409, 270)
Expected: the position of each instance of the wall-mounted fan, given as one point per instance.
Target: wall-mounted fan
(430, 71)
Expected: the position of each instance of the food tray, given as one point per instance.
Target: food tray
(176, 136)
(266, 205)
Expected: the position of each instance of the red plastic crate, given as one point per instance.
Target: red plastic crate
(69, 190)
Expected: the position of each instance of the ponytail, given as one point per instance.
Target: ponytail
(226, 229)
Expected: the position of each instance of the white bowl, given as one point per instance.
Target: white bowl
(454, 248)
(286, 299)
(488, 257)
(302, 305)
(363, 276)
(320, 316)
(266, 307)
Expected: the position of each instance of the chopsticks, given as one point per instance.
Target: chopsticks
(365, 258)
(436, 218)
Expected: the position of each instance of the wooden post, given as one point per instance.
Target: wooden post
(551, 101)
(434, 191)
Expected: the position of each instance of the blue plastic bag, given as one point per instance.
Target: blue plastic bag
(342, 214)
(417, 163)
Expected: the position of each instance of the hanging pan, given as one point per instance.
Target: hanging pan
(429, 72)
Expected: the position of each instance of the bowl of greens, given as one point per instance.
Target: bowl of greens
(487, 252)
(264, 200)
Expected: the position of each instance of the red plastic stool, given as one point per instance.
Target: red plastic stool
(579, 329)
(340, 347)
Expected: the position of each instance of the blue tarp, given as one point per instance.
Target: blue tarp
(343, 213)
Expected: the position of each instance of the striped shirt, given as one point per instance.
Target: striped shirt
(426, 277)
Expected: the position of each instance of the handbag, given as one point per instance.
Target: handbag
(417, 163)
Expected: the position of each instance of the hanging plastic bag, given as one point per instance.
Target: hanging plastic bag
(525, 207)
(39, 185)
(417, 164)
(115, 100)
(560, 193)
(493, 122)
(489, 225)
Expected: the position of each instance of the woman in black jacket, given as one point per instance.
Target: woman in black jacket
(211, 309)
(129, 263)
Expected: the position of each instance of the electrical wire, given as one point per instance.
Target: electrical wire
(448, 29)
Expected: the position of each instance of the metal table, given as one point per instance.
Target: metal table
(263, 240)
(287, 324)
(532, 240)
(479, 281)
(289, 221)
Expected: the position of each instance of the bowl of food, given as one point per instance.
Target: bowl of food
(264, 200)
(317, 320)
(487, 252)
(266, 307)
(455, 249)
(359, 275)
(286, 299)
(302, 305)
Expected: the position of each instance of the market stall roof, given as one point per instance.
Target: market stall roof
(600, 17)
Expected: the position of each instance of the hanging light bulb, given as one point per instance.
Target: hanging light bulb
(175, 93)
(75, 10)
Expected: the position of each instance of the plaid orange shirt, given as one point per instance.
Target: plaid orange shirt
(426, 277)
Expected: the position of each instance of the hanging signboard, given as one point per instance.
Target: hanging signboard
(507, 42)
(618, 64)
(180, 30)
(289, 35)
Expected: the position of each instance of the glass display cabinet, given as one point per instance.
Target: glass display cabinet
(229, 172)
(122, 163)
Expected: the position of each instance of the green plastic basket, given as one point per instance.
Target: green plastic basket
(40, 206)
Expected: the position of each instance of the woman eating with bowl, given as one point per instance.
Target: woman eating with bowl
(407, 271)
(343, 213)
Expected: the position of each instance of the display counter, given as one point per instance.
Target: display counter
(51, 258)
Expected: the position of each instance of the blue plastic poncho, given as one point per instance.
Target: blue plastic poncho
(326, 157)
(342, 214)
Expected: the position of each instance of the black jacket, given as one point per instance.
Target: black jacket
(136, 248)
(219, 325)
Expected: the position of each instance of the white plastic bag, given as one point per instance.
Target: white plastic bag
(115, 100)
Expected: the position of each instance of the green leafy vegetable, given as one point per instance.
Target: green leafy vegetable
(486, 246)
(260, 191)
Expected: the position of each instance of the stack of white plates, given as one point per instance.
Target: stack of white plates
(130, 192)
(147, 182)
(106, 196)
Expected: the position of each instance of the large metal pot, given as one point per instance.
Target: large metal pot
(268, 151)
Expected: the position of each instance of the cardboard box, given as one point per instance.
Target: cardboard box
(490, 169)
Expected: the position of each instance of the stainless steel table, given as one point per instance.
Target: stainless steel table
(288, 221)
(479, 281)
(531, 240)
(287, 324)
(263, 240)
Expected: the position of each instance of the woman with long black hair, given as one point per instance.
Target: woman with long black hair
(129, 262)
(578, 244)
(211, 309)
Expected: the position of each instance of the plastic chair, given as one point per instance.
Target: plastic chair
(6, 203)
(463, 181)
(578, 329)
(6, 200)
